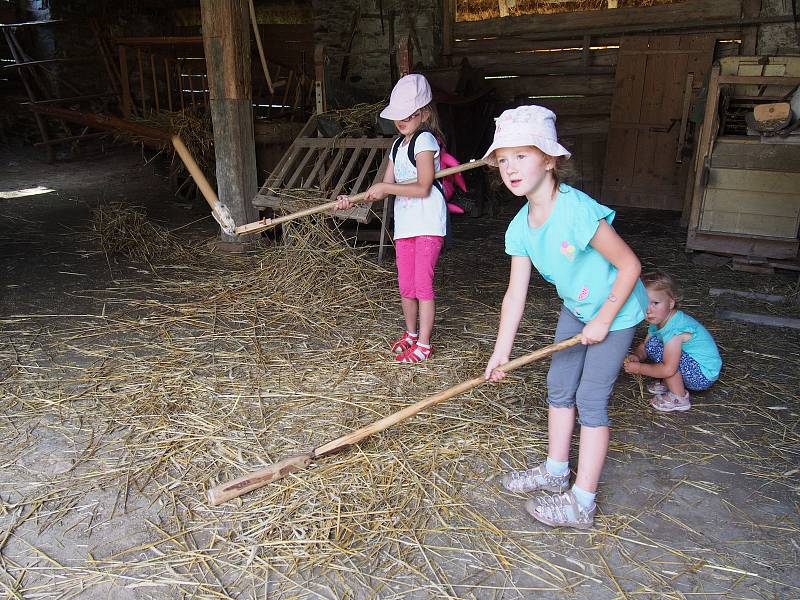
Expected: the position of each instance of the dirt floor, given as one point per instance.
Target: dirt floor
(139, 367)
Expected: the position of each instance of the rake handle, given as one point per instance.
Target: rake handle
(264, 224)
(234, 489)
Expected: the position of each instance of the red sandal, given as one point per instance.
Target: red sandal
(416, 353)
(404, 342)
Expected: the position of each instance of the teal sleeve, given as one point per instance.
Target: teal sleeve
(514, 243)
(587, 220)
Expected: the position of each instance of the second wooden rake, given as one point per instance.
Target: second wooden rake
(234, 489)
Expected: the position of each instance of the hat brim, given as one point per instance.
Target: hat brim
(547, 146)
(396, 113)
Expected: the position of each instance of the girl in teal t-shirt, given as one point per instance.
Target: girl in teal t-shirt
(683, 354)
(568, 237)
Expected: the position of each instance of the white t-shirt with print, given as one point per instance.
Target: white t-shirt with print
(418, 216)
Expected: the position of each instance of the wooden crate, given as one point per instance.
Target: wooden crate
(746, 194)
(753, 188)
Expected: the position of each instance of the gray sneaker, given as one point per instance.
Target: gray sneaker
(657, 387)
(561, 510)
(534, 480)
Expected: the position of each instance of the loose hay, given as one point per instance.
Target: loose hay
(359, 120)
(123, 230)
(217, 365)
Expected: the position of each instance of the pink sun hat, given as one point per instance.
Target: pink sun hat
(526, 126)
(410, 93)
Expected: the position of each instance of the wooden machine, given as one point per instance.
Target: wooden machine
(746, 195)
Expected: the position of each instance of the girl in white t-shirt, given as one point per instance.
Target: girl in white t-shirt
(420, 212)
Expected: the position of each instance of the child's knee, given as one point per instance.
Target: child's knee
(559, 393)
(406, 285)
(423, 284)
(593, 415)
(593, 406)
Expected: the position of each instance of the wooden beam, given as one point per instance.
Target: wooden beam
(226, 41)
(546, 63)
(189, 40)
(768, 320)
(448, 20)
(692, 11)
(561, 85)
(30, 24)
(155, 137)
(751, 9)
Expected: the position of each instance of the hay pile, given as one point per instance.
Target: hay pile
(477, 10)
(123, 230)
(217, 365)
(359, 120)
(194, 127)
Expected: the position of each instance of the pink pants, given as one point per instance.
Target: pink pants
(416, 260)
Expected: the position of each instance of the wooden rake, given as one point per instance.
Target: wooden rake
(264, 224)
(233, 489)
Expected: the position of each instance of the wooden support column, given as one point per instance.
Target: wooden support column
(751, 9)
(448, 18)
(226, 40)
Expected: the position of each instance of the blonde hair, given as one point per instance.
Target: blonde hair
(662, 282)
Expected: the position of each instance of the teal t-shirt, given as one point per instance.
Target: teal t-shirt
(560, 251)
(701, 346)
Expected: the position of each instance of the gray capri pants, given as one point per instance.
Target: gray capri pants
(585, 375)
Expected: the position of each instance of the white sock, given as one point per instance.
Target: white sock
(584, 498)
(557, 468)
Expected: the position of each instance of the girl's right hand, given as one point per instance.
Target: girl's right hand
(343, 202)
(632, 358)
(491, 373)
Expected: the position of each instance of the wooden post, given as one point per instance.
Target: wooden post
(705, 142)
(141, 80)
(751, 9)
(404, 56)
(503, 8)
(226, 41)
(127, 101)
(319, 79)
(448, 19)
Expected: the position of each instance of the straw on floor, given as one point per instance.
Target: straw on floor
(214, 365)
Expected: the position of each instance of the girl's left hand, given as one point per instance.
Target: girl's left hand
(594, 333)
(632, 367)
(376, 192)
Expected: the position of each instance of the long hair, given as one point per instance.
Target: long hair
(662, 282)
(432, 122)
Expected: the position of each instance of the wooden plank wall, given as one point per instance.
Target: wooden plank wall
(567, 62)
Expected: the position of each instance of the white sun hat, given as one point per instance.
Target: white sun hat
(410, 93)
(526, 126)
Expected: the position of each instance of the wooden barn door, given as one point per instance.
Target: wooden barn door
(656, 77)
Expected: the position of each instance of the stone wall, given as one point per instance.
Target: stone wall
(368, 68)
(777, 38)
